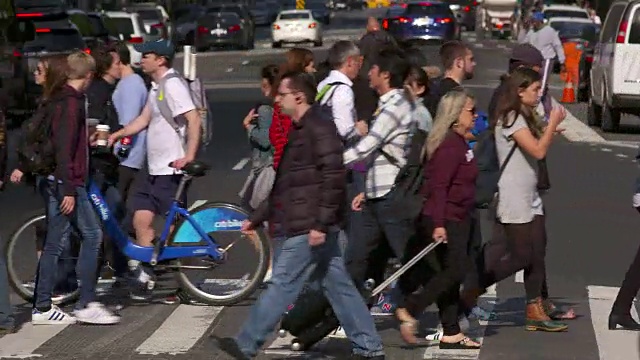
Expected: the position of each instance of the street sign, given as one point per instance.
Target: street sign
(299, 4)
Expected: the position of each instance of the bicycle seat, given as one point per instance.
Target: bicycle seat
(196, 168)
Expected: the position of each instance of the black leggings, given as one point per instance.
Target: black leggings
(442, 287)
(524, 248)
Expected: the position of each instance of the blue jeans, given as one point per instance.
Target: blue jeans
(85, 221)
(114, 200)
(6, 314)
(296, 263)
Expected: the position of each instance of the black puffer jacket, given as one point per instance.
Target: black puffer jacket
(309, 191)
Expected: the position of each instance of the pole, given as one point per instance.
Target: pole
(186, 65)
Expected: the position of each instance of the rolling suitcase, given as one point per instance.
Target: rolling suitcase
(311, 319)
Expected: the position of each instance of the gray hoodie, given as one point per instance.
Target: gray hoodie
(547, 41)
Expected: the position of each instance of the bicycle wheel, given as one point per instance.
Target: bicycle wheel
(232, 281)
(21, 269)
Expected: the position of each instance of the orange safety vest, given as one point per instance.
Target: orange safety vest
(572, 62)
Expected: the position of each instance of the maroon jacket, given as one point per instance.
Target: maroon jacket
(70, 139)
(450, 181)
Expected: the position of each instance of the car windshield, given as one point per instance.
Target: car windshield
(225, 17)
(294, 16)
(574, 30)
(565, 13)
(124, 25)
(149, 14)
(416, 10)
(97, 26)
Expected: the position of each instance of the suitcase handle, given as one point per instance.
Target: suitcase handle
(396, 275)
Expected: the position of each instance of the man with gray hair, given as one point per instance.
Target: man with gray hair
(335, 90)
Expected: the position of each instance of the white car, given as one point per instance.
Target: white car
(296, 26)
(131, 30)
(566, 11)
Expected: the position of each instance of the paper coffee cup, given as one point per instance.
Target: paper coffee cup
(103, 135)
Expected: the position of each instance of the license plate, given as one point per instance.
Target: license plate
(454, 7)
(218, 32)
(423, 21)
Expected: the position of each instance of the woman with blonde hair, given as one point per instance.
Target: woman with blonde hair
(450, 172)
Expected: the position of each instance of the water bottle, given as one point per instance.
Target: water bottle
(125, 147)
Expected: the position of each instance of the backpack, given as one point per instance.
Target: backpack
(489, 168)
(36, 152)
(199, 97)
(325, 89)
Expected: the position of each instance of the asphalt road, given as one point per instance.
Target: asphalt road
(592, 239)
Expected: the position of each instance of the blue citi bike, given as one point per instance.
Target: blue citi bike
(199, 240)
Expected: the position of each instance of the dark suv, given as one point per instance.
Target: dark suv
(53, 34)
(245, 17)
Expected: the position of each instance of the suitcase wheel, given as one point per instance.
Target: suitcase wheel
(296, 345)
(282, 333)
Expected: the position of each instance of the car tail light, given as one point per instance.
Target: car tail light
(233, 28)
(29, 15)
(475, 3)
(43, 30)
(385, 24)
(157, 26)
(443, 20)
(16, 53)
(276, 27)
(622, 32)
(467, 8)
(136, 40)
(499, 25)
(88, 51)
(202, 30)
(404, 20)
(589, 58)
(403, 5)
(312, 25)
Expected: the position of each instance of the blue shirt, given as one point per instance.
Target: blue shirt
(129, 98)
(481, 124)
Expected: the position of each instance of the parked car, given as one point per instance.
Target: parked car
(185, 23)
(53, 33)
(222, 30)
(584, 33)
(465, 12)
(152, 18)
(615, 84)
(392, 12)
(260, 13)
(319, 10)
(103, 28)
(245, 17)
(131, 30)
(296, 26)
(82, 21)
(551, 11)
(424, 22)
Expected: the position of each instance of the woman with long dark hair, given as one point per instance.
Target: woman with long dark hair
(522, 139)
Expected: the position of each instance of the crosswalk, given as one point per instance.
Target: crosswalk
(153, 331)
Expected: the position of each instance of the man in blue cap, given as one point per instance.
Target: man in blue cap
(173, 136)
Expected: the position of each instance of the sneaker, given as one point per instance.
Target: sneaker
(181, 297)
(384, 307)
(97, 314)
(54, 316)
(434, 337)
(339, 333)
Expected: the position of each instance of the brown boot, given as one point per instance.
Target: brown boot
(538, 320)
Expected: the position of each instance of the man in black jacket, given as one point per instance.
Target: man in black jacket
(305, 210)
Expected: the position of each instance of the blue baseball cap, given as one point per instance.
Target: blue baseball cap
(537, 16)
(160, 47)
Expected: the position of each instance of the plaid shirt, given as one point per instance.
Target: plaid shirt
(389, 135)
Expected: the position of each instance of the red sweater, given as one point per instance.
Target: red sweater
(450, 184)
(279, 133)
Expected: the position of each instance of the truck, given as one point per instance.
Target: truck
(495, 18)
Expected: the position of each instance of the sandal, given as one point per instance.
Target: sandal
(555, 313)
(464, 344)
(408, 326)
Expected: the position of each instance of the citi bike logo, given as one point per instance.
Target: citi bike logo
(228, 223)
(104, 212)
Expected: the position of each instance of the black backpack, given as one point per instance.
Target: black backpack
(36, 152)
(489, 168)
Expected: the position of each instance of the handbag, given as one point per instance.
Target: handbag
(543, 175)
(262, 186)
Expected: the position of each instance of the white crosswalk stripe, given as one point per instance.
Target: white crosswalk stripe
(181, 331)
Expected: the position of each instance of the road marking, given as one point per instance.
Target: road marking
(477, 334)
(612, 345)
(241, 164)
(622, 156)
(520, 277)
(577, 131)
(28, 339)
(180, 331)
(605, 149)
(624, 144)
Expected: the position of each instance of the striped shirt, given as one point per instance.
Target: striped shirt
(389, 135)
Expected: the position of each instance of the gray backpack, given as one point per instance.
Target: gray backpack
(199, 97)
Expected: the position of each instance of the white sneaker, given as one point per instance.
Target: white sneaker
(434, 337)
(54, 316)
(339, 333)
(267, 276)
(97, 314)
